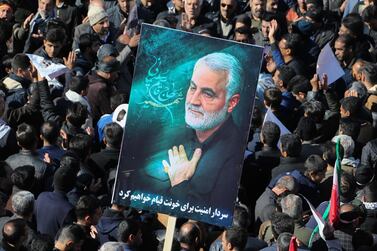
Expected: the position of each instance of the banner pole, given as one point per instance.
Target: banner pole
(170, 230)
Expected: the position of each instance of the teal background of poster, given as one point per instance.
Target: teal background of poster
(155, 119)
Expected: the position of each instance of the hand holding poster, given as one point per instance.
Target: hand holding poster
(47, 68)
(187, 125)
(328, 64)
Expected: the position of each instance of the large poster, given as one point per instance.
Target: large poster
(187, 126)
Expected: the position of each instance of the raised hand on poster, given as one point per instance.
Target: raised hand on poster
(180, 167)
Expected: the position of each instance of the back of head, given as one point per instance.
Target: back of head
(14, 231)
(292, 206)
(26, 136)
(126, 228)
(70, 161)
(369, 72)
(270, 133)
(299, 84)
(42, 243)
(189, 234)
(347, 143)
(350, 127)
(329, 152)
(369, 13)
(272, 97)
(314, 110)
(108, 64)
(113, 134)
(50, 132)
(351, 104)
(71, 235)
(87, 41)
(354, 23)
(287, 182)
(306, 129)
(118, 99)
(23, 203)
(291, 144)
(314, 163)
(77, 114)
(360, 89)
(20, 61)
(81, 144)
(86, 206)
(112, 246)
(79, 84)
(280, 223)
(241, 217)
(370, 192)
(283, 241)
(64, 179)
(236, 237)
(245, 19)
(23, 177)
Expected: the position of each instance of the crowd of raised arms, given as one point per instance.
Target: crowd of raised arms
(60, 138)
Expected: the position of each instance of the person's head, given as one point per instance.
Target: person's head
(369, 15)
(21, 66)
(193, 8)
(289, 44)
(344, 48)
(369, 74)
(53, 42)
(360, 90)
(282, 76)
(23, 204)
(70, 161)
(349, 107)
(129, 232)
(272, 6)
(300, 86)
(280, 223)
(81, 144)
(14, 233)
(50, 132)
(23, 177)
(314, 110)
(107, 50)
(64, 179)
(348, 187)
(234, 239)
(108, 68)
(46, 7)
(70, 238)
(124, 6)
(42, 243)
(329, 152)
(315, 168)
(285, 185)
(89, 44)
(242, 21)
(347, 143)
(350, 127)
(306, 129)
(113, 134)
(77, 113)
(7, 10)
(147, 3)
(189, 236)
(214, 91)
(112, 246)
(356, 69)
(117, 99)
(292, 205)
(26, 137)
(178, 5)
(364, 175)
(290, 145)
(369, 192)
(272, 98)
(352, 25)
(283, 241)
(228, 8)
(241, 217)
(244, 35)
(270, 134)
(99, 20)
(79, 85)
(257, 8)
(88, 210)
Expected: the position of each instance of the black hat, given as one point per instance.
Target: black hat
(64, 179)
(364, 175)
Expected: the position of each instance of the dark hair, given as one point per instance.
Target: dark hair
(354, 23)
(237, 237)
(283, 241)
(50, 131)
(306, 129)
(350, 127)
(117, 99)
(245, 19)
(369, 13)
(55, 36)
(280, 223)
(126, 228)
(77, 113)
(298, 84)
(113, 134)
(268, 17)
(370, 192)
(291, 144)
(347, 187)
(189, 237)
(86, 206)
(370, 72)
(13, 231)
(347, 40)
(87, 40)
(314, 110)
(272, 97)
(245, 31)
(315, 14)
(23, 177)
(315, 164)
(351, 104)
(72, 232)
(42, 242)
(329, 152)
(79, 84)
(81, 144)
(241, 217)
(70, 161)
(26, 136)
(286, 73)
(292, 41)
(20, 61)
(270, 133)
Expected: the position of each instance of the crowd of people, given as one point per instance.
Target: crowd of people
(60, 138)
